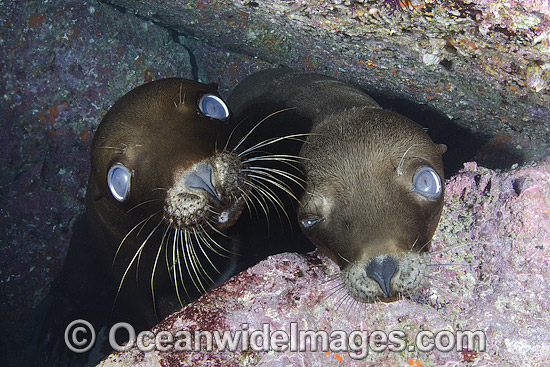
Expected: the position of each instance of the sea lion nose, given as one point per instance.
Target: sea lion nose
(382, 269)
(201, 178)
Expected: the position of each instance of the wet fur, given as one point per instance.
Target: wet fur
(137, 260)
(358, 162)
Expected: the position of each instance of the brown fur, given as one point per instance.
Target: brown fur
(354, 178)
(158, 138)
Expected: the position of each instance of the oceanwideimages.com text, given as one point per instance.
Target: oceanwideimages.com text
(357, 344)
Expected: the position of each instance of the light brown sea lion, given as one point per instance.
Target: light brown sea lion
(373, 190)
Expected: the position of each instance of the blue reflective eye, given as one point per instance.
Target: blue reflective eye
(213, 106)
(118, 180)
(309, 222)
(427, 182)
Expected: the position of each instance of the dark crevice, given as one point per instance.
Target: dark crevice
(463, 145)
(192, 58)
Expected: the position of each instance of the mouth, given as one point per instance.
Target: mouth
(384, 278)
(229, 215)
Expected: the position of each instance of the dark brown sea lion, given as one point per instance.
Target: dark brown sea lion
(373, 190)
(161, 186)
(167, 179)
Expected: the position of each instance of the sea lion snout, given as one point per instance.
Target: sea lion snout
(384, 277)
(201, 178)
(209, 191)
(382, 269)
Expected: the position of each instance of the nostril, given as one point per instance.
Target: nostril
(201, 178)
(382, 269)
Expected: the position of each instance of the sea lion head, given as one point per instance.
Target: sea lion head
(373, 199)
(162, 145)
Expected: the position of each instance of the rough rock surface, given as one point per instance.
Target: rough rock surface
(65, 62)
(495, 231)
(483, 64)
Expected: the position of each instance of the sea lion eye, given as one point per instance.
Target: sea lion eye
(427, 182)
(213, 106)
(118, 180)
(309, 222)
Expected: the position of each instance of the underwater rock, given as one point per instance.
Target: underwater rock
(493, 247)
(483, 64)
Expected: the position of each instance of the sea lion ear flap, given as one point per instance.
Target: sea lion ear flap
(442, 148)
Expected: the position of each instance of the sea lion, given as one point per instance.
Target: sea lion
(373, 190)
(167, 179)
(161, 186)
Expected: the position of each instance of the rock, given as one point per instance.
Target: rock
(490, 257)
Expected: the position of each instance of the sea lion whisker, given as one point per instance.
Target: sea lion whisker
(143, 203)
(341, 301)
(352, 303)
(269, 195)
(335, 292)
(212, 244)
(435, 277)
(248, 202)
(256, 126)
(424, 246)
(145, 223)
(273, 141)
(127, 234)
(448, 264)
(277, 158)
(177, 270)
(195, 264)
(399, 168)
(138, 252)
(282, 172)
(206, 256)
(264, 191)
(166, 259)
(211, 210)
(141, 252)
(260, 200)
(335, 289)
(294, 178)
(187, 258)
(159, 189)
(414, 244)
(331, 278)
(115, 148)
(202, 272)
(216, 230)
(225, 148)
(183, 244)
(155, 263)
(343, 258)
(449, 248)
(275, 182)
(181, 97)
